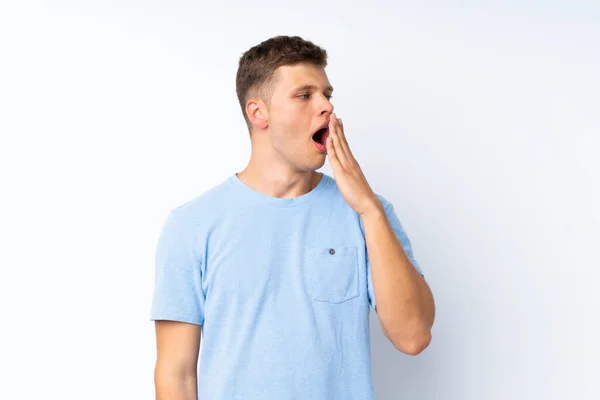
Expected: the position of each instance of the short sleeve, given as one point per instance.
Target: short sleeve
(178, 294)
(404, 240)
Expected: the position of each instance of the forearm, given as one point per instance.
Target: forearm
(405, 304)
(175, 386)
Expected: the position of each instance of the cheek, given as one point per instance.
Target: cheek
(287, 125)
(289, 122)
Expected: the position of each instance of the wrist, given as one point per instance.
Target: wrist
(373, 211)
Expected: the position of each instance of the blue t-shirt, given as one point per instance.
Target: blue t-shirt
(281, 287)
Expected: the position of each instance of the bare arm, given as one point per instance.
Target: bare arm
(405, 305)
(404, 301)
(177, 345)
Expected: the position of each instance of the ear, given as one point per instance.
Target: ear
(257, 112)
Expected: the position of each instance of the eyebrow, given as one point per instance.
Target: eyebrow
(312, 87)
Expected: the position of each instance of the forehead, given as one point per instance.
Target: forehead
(288, 77)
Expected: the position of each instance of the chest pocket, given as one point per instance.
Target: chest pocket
(333, 273)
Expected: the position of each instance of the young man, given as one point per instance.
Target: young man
(279, 265)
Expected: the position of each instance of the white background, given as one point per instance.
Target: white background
(480, 123)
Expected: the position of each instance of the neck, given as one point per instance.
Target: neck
(276, 179)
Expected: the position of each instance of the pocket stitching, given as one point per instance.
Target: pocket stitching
(317, 254)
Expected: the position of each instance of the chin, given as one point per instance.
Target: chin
(317, 165)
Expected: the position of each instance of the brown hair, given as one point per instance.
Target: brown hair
(258, 64)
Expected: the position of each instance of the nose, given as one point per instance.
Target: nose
(326, 107)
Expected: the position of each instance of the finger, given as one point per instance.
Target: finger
(333, 157)
(339, 151)
(343, 141)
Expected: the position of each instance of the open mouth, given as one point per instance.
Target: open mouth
(321, 135)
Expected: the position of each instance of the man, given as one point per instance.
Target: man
(277, 267)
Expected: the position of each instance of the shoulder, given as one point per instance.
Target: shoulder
(202, 209)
